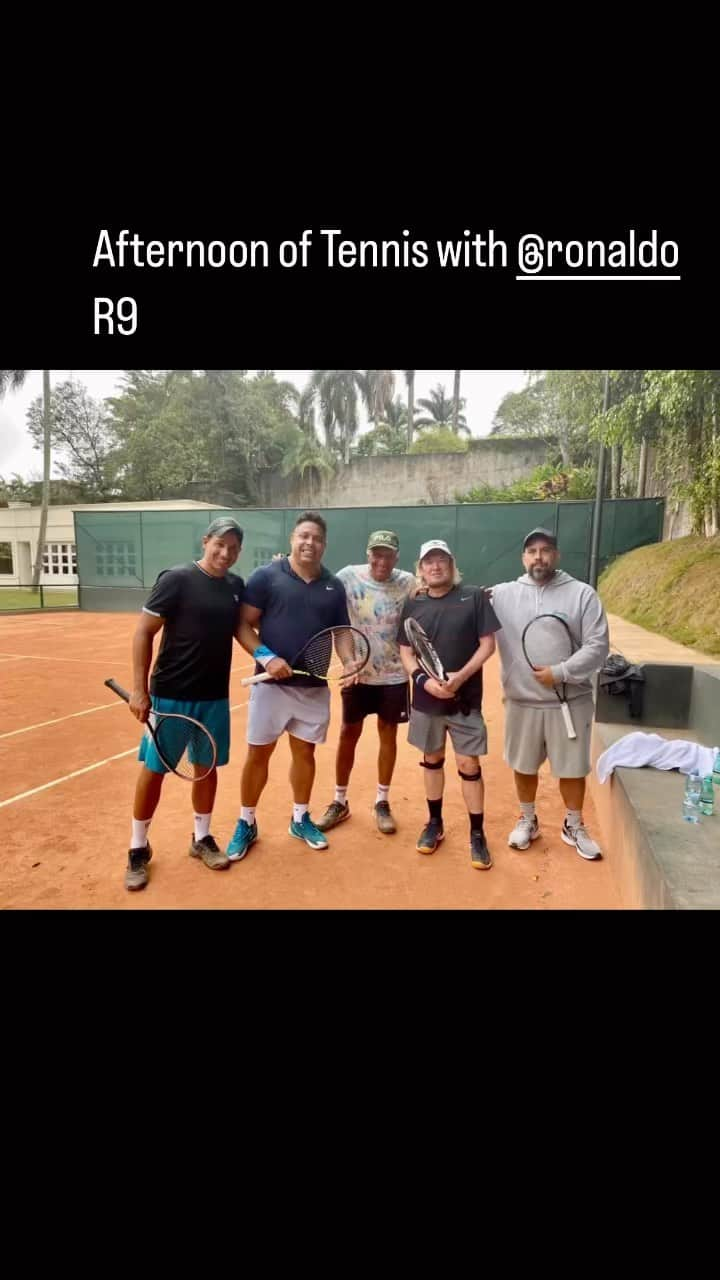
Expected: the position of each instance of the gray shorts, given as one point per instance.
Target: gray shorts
(275, 709)
(467, 733)
(536, 734)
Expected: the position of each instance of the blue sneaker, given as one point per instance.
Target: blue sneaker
(245, 835)
(307, 831)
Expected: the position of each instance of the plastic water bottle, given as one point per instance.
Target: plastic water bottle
(716, 769)
(707, 797)
(691, 799)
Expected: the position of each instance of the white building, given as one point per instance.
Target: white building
(20, 526)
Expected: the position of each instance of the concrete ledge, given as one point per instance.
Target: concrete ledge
(659, 861)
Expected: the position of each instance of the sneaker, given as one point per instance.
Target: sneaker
(479, 852)
(136, 875)
(431, 837)
(245, 835)
(333, 816)
(384, 819)
(210, 852)
(526, 830)
(307, 831)
(582, 841)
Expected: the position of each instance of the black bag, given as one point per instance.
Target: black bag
(621, 678)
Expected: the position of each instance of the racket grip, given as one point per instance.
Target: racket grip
(568, 720)
(118, 689)
(255, 679)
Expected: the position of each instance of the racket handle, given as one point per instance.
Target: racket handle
(568, 720)
(118, 689)
(255, 679)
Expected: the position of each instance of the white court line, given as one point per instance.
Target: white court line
(46, 657)
(104, 706)
(88, 769)
(12, 658)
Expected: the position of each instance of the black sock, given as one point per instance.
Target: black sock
(435, 807)
(476, 823)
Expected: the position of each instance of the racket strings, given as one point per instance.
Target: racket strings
(331, 652)
(547, 643)
(182, 744)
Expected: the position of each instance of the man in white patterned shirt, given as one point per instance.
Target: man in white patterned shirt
(376, 593)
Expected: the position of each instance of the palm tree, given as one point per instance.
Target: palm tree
(440, 412)
(377, 388)
(307, 458)
(337, 393)
(456, 401)
(410, 380)
(13, 379)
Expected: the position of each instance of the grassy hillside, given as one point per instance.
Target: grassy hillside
(672, 588)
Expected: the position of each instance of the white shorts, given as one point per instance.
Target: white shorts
(275, 709)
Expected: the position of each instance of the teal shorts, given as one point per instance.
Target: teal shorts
(215, 715)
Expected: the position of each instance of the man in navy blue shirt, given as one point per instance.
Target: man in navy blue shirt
(288, 602)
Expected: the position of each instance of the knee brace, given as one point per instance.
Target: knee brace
(440, 764)
(471, 777)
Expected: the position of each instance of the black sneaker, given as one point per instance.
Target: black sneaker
(479, 852)
(136, 874)
(431, 837)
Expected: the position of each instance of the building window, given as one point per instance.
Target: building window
(115, 560)
(59, 559)
(6, 558)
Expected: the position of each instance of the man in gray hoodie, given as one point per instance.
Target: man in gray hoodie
(534, 726)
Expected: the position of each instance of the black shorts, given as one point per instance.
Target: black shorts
(389, 702)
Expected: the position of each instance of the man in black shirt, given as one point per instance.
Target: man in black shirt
(197, 606)
(460, 624)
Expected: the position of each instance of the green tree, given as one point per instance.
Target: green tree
(82, 436)
(337, 392)
(410, 381)
(441, 439)
(439, 412)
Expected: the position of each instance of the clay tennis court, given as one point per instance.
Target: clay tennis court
(68, 768)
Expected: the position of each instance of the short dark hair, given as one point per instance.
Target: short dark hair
(312, 517)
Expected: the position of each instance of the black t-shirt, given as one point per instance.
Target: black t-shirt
(201, 615)
(454, 624)
(293, 611)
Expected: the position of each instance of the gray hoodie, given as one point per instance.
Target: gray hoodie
(516, 603)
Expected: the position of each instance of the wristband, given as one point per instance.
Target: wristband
(419, 676)
(263, 655)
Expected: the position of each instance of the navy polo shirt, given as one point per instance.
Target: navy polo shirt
(294, 610)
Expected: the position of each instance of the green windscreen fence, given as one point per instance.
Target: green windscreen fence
(120, 554)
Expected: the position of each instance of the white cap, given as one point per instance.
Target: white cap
(427, 547)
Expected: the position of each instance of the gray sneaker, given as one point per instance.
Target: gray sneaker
(333, 816)
(384, 819)
(580, 839)
(524, 833)
(136, 874)
(211, 854)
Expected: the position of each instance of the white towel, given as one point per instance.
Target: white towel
(636, 750)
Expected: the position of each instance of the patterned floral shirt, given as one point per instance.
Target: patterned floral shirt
(375, 609)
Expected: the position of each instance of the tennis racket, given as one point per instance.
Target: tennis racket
(331, 655)
(184, 745)
(547, 641)
(426, 655)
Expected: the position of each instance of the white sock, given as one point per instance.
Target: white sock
(247, 815)
(299, 811)
(383, 795)
(528, 810)
(341, 795)
(202, 825)
(139, 837)
(574, 818)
